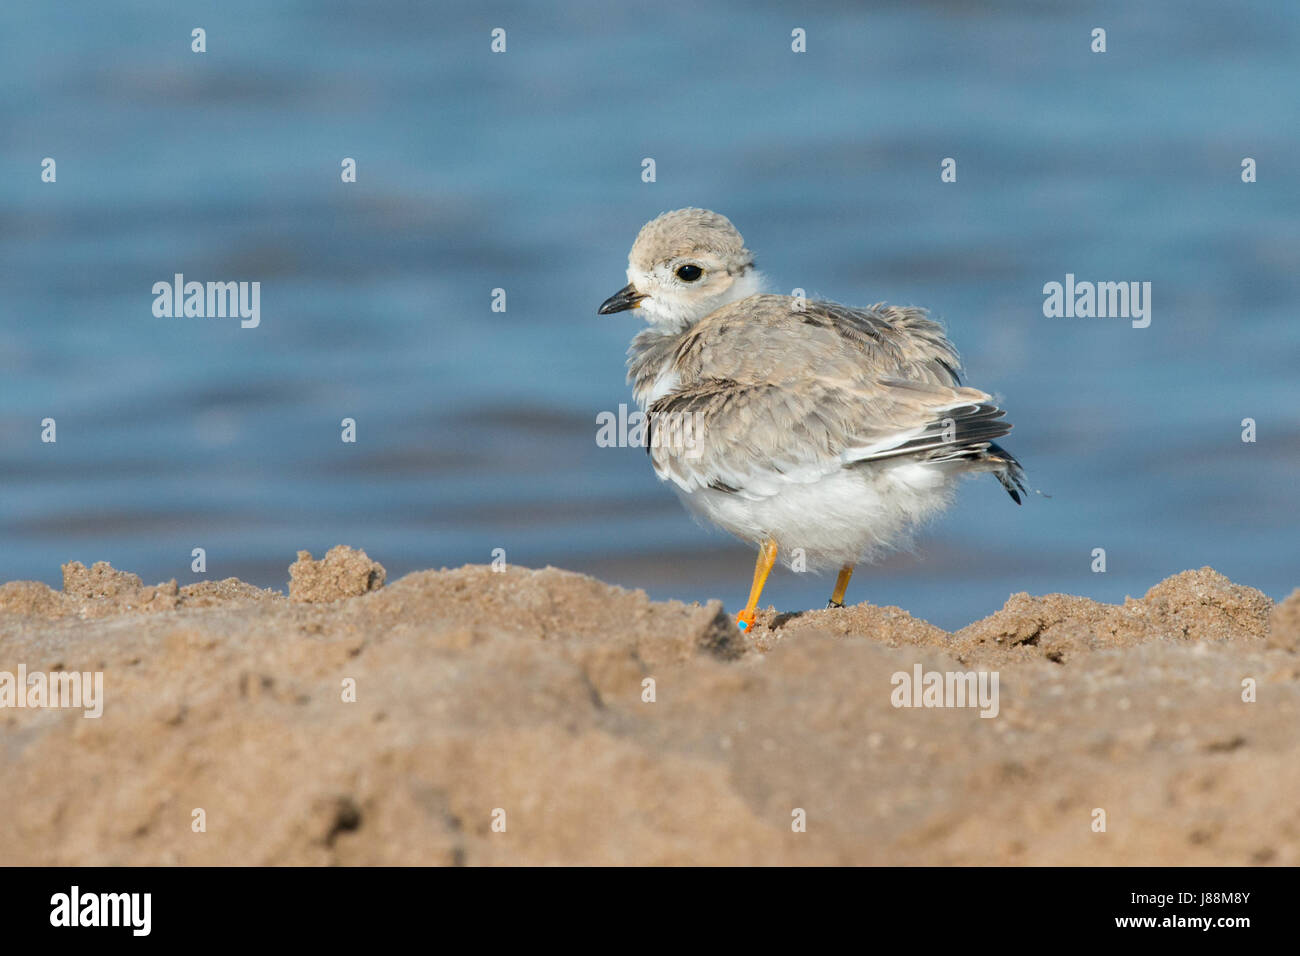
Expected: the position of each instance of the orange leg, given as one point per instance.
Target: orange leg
(762, 568)
(841, 585)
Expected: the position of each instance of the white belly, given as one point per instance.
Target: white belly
(848, 517)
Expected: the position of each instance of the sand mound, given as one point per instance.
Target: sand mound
(539, 716)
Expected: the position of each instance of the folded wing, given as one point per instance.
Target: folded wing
(770, 395)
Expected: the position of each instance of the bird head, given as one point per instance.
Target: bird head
(684, 265)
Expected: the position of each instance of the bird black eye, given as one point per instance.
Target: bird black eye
(689, 273)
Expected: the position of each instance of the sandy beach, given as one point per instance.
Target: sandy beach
(483, 717)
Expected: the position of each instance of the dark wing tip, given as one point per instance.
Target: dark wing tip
(1012, 475)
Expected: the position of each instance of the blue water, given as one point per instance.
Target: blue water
(522, 170)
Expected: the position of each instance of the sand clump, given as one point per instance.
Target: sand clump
(342, 573)
(355, 722)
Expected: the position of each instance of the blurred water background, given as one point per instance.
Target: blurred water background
(522, 170)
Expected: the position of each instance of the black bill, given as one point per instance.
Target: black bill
(622, 300)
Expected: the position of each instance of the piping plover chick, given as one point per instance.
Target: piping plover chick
(821, 433)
